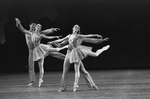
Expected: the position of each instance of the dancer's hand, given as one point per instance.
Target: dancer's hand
(17, 20)
(49, 43)
(105, 39)
(57, 45)
(66, 46)
(99, 36)
(55, 29)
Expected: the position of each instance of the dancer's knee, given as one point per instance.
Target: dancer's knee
(63, 76)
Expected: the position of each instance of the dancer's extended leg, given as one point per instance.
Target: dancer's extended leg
(57, 55)
(87, 77)
(99, 51)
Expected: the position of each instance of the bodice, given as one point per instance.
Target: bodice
(74, 42)
(36, 39)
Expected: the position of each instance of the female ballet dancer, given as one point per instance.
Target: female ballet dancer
(42, 50)
(75, 53)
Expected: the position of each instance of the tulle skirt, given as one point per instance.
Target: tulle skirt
(79, 53)
(41, 51)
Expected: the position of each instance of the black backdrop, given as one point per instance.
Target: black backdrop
(125, 22)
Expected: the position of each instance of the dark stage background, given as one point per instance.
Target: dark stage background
(125, 22)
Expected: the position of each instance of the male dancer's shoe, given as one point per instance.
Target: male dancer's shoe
(62, 90)
(31, 83)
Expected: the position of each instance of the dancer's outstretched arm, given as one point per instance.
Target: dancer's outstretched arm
(66, 46)
(20, 27)
(49, 31)
(90, 35)
(94, 40)
(64, 43)
(49, 37)
(60, 40)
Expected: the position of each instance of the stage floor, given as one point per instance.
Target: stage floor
(116, 84)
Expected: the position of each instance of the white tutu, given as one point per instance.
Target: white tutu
(79, 53)
(41, 51)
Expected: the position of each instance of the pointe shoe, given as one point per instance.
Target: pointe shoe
(40, 82)
(101, 50)
(75, 88)
(62, 90)
(106, 47)
(95, 87)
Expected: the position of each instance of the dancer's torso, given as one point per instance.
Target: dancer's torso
(74, 42)
(29, 41)
(36, 39)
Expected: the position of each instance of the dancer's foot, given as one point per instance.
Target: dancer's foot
(101, 50)
(75, 87)
(62, 90)
(40, 82)
(106, 47)
(31, 83)
(95, 87)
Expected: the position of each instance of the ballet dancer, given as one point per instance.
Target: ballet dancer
(77, 52)
(42, 50)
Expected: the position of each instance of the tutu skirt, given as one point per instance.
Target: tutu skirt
(41, 51)
(79, 53)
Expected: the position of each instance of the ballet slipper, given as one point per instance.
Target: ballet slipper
(40, 82)
(75, 87)
(106, 47)
(101, 50)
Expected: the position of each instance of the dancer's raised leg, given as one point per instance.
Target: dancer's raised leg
(99, 51)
